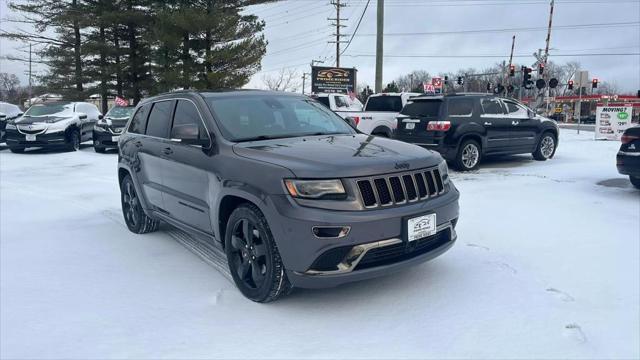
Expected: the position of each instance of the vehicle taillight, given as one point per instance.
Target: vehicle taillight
(628, 138)
(439, 126)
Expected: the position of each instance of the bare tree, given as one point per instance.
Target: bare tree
(284, 80)
(607, 88)
(9, 83)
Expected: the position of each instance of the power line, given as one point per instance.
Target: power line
(357, 26)
(491, 56)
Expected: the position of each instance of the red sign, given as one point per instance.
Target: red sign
(428, 88)
(436, 82)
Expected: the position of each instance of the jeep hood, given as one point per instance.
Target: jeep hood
(339, 156)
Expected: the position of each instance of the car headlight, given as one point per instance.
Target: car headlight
(444, 171)
(11, 126)
(316, 189)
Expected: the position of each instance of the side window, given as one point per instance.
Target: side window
(492, 106)
(187, 115)
(460, 107)
(160, 119)
(516, 110)
(341, 102)
(139, 122)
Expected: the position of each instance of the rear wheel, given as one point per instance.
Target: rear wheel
(135, 218)
(469, 155)
(98, 149)
(635, 181)
(73, 142)
(381, 132)
(546, 147)
(253, 257)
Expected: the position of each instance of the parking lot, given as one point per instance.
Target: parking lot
(546, 265)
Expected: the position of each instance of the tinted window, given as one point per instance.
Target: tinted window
(460, 107)
(249, 117)
(139, 122)
(516, 110)
(341, 101)
(324, 100)
(492, 107)
(384, 103)
(422, 108)
(160, 119)
(187, 114)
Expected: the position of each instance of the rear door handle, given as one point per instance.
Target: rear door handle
(515, 122)
(167, 151)
(487, 123)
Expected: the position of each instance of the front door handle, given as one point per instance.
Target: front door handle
(488, 123)
(167, 151)
(515, 122)
(138, 144)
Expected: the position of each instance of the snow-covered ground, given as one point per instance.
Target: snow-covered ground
(546, 265)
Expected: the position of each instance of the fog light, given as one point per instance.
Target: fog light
(331, 232)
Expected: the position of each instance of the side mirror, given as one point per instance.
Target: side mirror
(19, 114)
(82, 116)
(100, 117)
(188, 134)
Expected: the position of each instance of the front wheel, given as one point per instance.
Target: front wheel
(469, 155)
(253, 257)
(546, 147)
(135, 218)
(73, 142)
(635, 181)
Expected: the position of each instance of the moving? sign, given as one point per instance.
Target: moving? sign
(612, 121)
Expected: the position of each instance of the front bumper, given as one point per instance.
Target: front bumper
(105, 139)
(16, 139)
(628, 163)
(376, 231)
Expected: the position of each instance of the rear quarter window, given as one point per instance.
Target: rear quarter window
(460, 107)
(424, 108)
(159, 121)
(139, 121)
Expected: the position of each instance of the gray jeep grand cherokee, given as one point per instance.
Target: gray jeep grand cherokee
(292, 194)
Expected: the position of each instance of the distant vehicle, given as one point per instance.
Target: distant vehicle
(293, 195)
(8, 112)
(628, 158)
(55, 124)
(106, 132)
(466, 127)
(340, 104)
(380, 112)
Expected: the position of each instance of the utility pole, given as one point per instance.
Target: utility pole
(546, 54)
(379, 45)
(304, 78)
(337, 24)
(313, 62)
(30, 95)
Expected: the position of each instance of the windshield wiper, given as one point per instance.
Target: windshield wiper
(266, 137)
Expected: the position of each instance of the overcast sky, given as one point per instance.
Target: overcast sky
(298, 31)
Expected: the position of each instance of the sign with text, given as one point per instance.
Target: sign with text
(612, 121)
(333, 80)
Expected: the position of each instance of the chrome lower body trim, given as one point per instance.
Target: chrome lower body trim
(357, 253)
(625, 153)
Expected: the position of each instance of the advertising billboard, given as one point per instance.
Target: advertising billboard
(612, 121)
(333, 79)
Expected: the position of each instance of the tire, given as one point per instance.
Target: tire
(99, 149)
(253, 257)
(134, 216)
(546, 147)
(73, 142)
(381, 132)
(635, 181)
(468, 156)
(16, 150)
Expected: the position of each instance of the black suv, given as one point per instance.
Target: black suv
(466, 127)
(106, 132)
(294, 195)
(628, 158)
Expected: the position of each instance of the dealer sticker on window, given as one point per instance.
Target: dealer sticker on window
(421, 227)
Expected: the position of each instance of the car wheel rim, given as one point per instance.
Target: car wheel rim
(249, 254)
(547, 146)
(76, 142)
(130, 204)
(470, 155)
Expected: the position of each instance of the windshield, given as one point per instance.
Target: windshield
(384, 103)
(422, 108)
(257, 117)
(49, 109)
(120, 112)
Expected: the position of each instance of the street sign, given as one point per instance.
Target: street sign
(428, 88)
(581, 78)
(612, 121)
(436, 82)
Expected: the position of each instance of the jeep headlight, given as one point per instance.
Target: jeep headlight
(315, 189)
(444, 171)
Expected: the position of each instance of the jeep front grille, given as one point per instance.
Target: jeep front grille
(402, 188)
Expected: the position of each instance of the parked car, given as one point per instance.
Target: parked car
(628, 158)
(466, 127)
(340, 104)
(294, 196)
(380, 112)
(8, 112)
(56, 124)
(107, 131)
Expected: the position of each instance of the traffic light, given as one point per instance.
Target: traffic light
(460, 80)
(553, 83)
(446, 80)
(540, 84)
(512, 70)
(540, 68)
(570, 84)
(527, 83)
(594, 83)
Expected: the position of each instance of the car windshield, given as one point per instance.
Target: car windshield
(49, 109)
(259, 117)
(384, 103)
(120, 112)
